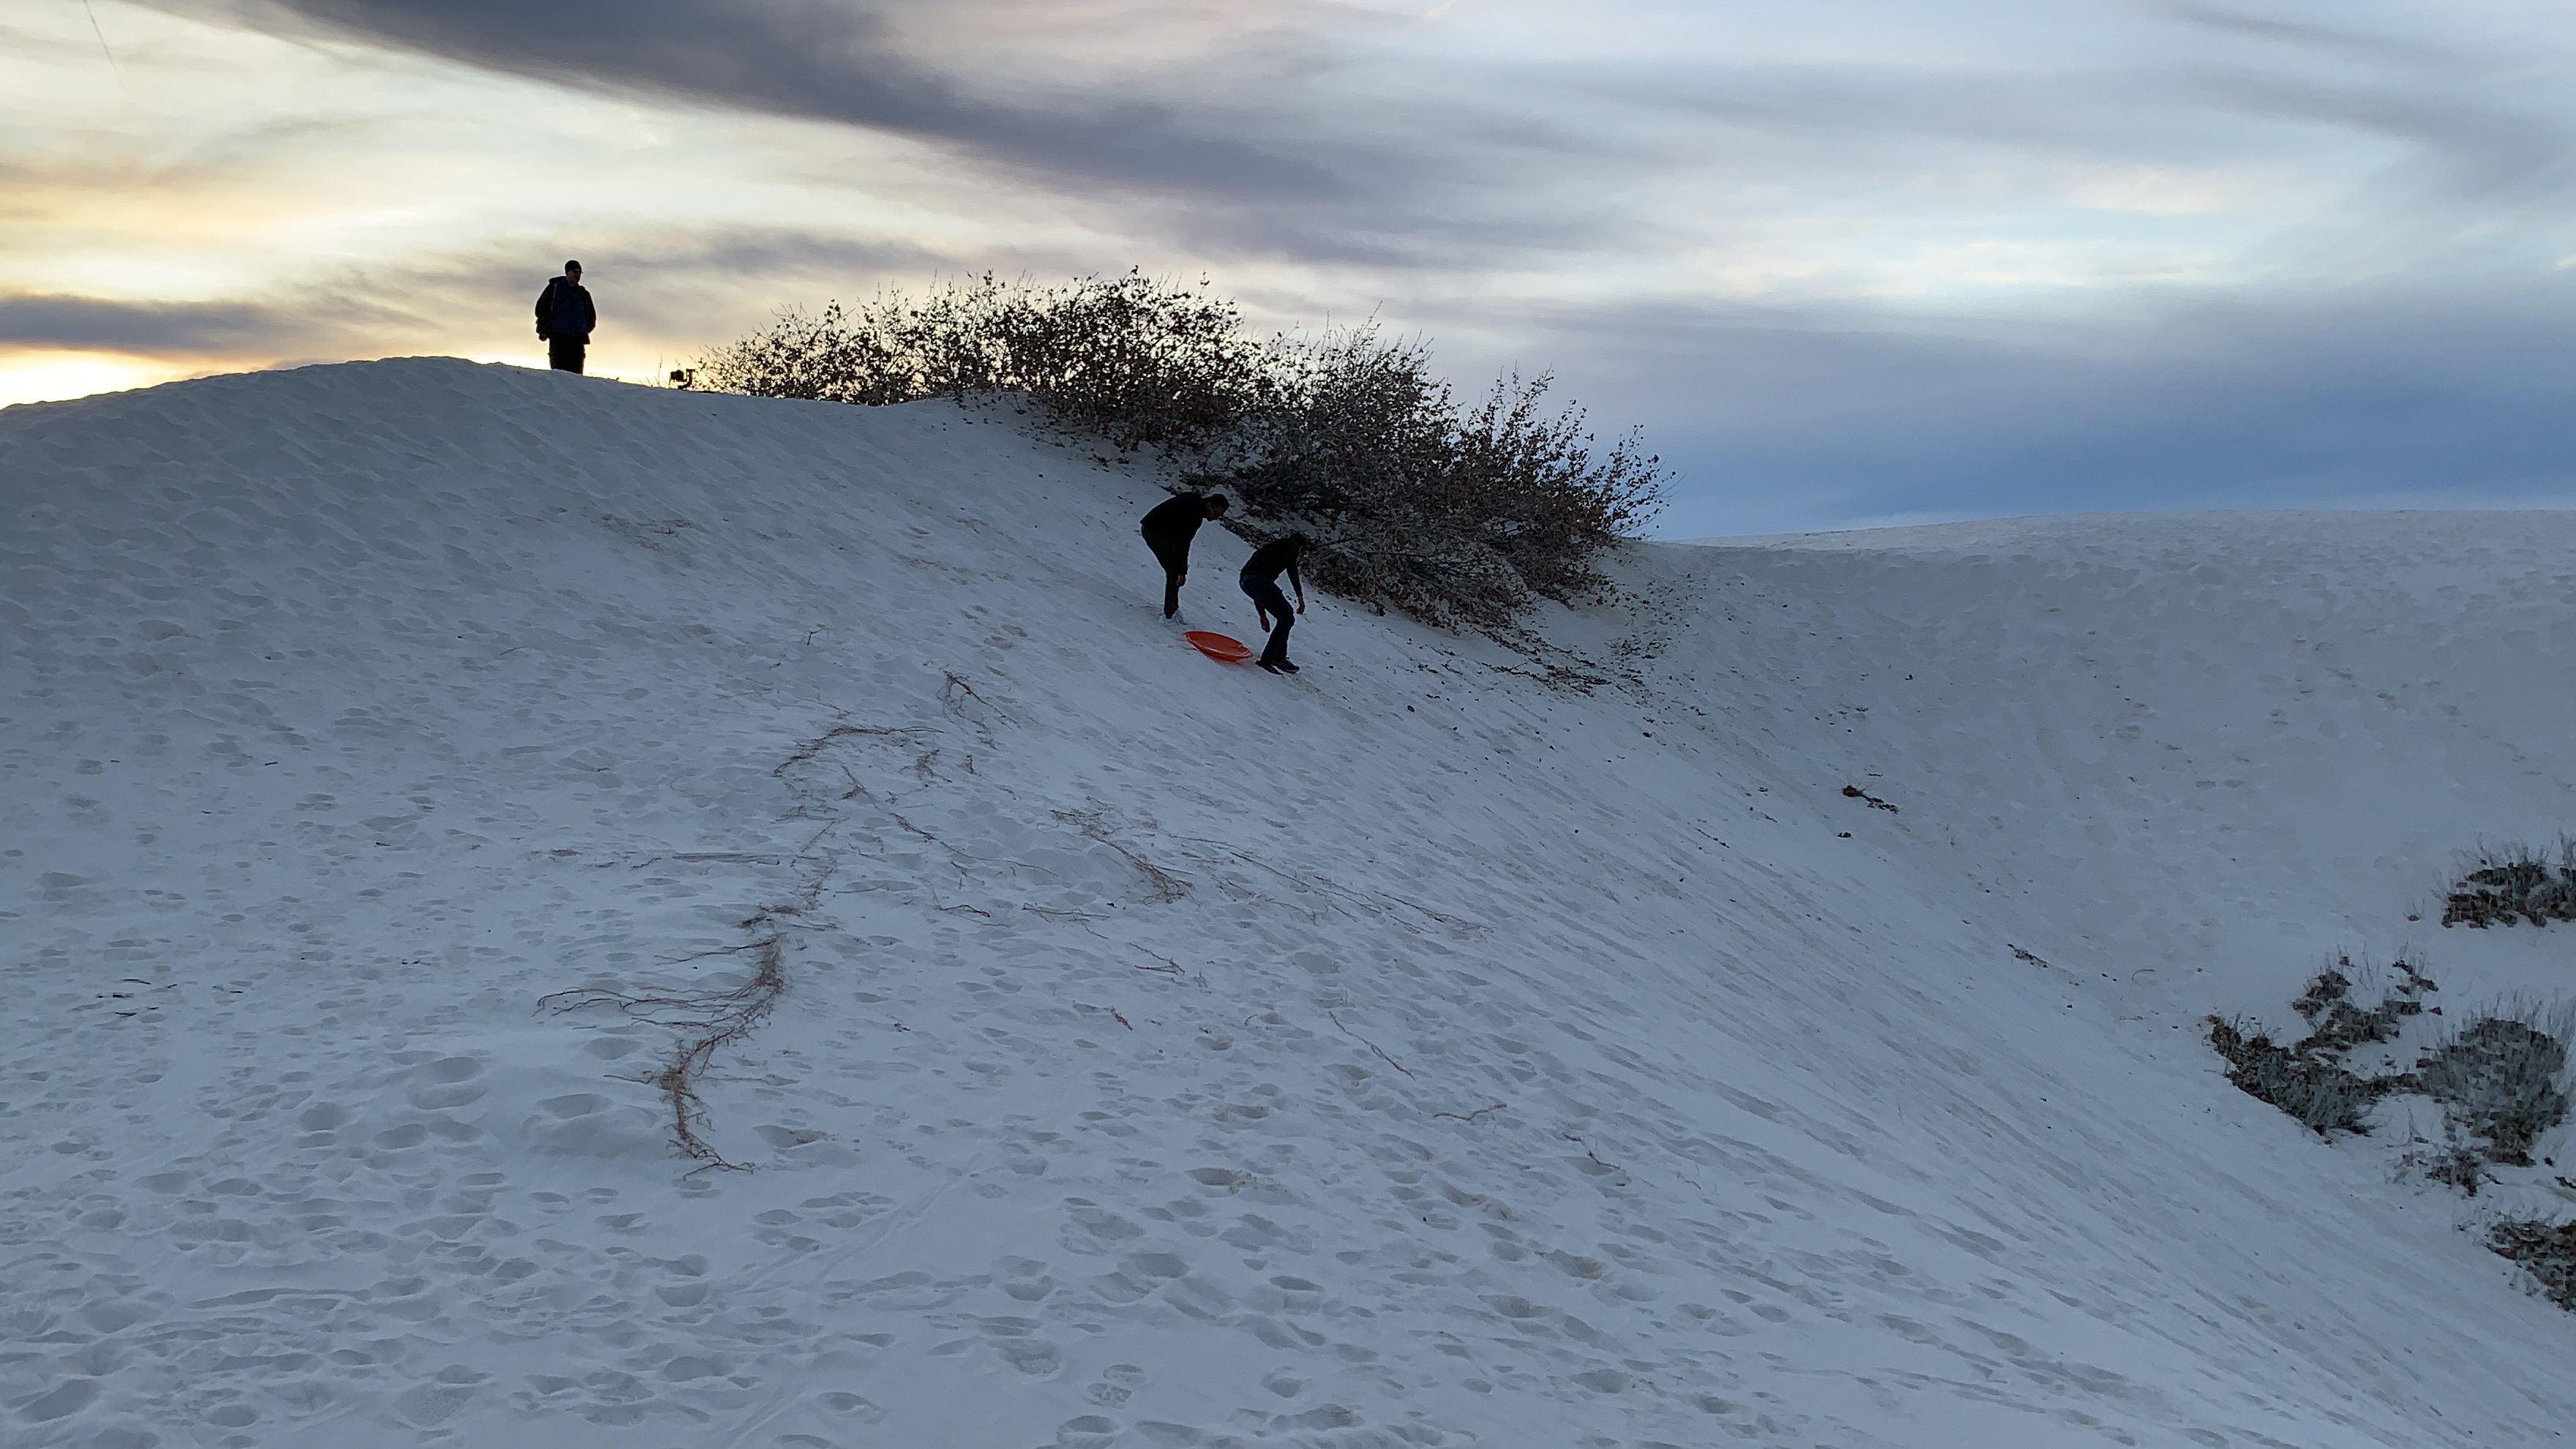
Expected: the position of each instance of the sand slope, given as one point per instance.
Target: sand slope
(1409, 1054)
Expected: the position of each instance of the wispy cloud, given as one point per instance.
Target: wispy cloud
(832, 62)
(415, 303)
(1337, 136)
(101, 324)
(1863, 258)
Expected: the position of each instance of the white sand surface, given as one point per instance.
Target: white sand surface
(1414, 1053)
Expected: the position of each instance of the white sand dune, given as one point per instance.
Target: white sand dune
(1410, 1054)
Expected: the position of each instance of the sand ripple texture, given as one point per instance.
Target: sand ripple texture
(1415, 1053)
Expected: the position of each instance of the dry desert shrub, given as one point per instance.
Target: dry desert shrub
(2545, 1250)
(2312, 1080)
(1452, 514)
(2509, 883)
(2322, 1093)
(2501, 1079)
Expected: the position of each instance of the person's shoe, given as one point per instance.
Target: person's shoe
(1284, 664)
(1273, 668)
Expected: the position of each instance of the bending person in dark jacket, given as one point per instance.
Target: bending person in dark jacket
(1168, 531)
(1261, 582)
(565, 319)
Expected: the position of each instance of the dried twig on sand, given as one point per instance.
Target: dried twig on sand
(838, 732)
(707, 1022)
(1167, 886)
(1372, 1046)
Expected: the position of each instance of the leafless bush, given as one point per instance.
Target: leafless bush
(2455, 1163)
(1451, 514)
(1131, 359)
(839, 356)
(2501, 1078)
(2337, 1025)
(2311, 1080)
(1455, 516)
(2507, 883)
(2323, 1094)
(2546, 1250)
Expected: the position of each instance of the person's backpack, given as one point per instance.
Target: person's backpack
(560, 295)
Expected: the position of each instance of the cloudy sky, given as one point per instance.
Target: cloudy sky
(1848, 261)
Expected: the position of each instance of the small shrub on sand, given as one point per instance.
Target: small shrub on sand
(2500, 1079)
(2453, 1164)
(2510, 883)
(2337, 1025)
(2311, 1080)
(2323, 1094)
(2546, 1250)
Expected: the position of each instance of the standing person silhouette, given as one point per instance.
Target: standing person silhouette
(565, 319)
(1168, 530)
(1260, 581)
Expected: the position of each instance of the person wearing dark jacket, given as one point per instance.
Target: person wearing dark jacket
(1168, 529)
(1260, 583)
(565, 319)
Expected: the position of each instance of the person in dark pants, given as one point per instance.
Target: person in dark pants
(1168, 529)
(565, 319)
(1260, 582)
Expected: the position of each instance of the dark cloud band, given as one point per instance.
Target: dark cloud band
(142, 328)
(823, 61)
(1280, 129)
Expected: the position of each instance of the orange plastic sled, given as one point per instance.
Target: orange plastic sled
(1219, 647)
